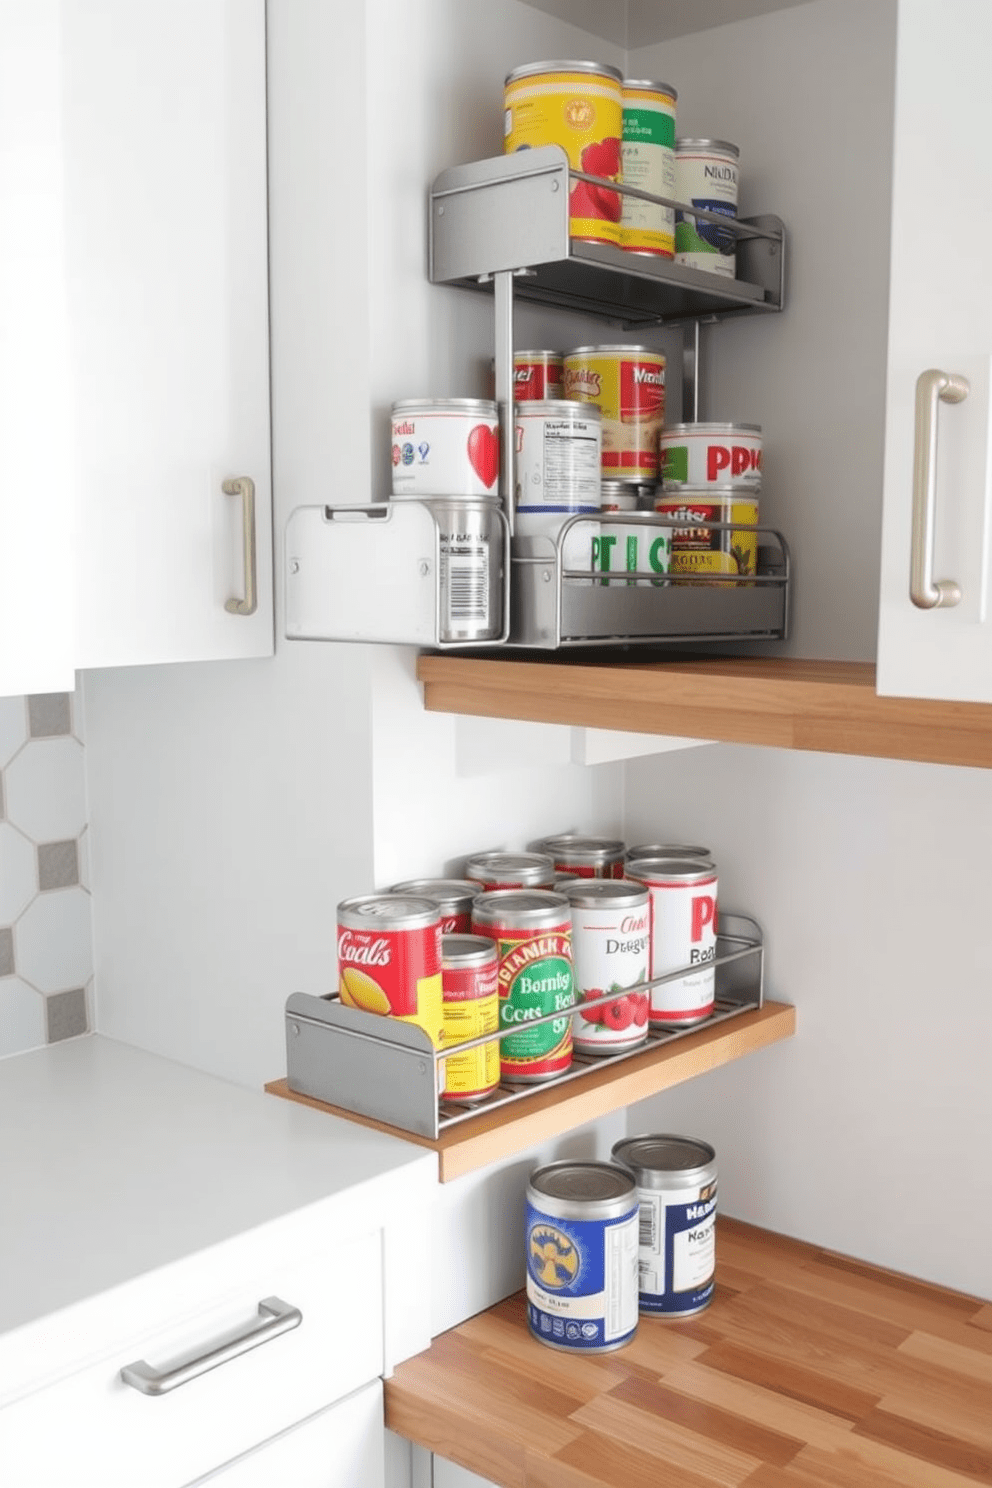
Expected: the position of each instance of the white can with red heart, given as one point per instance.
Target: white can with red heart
(445, 447)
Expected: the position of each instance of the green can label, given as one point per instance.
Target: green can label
(535, 979)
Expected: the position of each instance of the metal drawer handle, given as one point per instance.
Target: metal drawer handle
(278, 1317)
(244, 487)
(931, 387)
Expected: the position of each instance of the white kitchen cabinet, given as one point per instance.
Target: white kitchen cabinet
(940, 317)
(341, 1447)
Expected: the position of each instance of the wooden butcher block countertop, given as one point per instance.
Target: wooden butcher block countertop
(808, 1370)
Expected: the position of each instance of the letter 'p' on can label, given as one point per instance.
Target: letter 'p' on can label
(683, 933)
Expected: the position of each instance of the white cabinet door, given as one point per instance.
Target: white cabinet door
(340, 1448)
(36, 454)
(940, 317)
(165, 210)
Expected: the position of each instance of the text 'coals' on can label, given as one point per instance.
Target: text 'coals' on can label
(389, 958)
(677, 1188)
(581, 1234)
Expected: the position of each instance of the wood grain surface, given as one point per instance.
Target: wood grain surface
(777, 701)
(808, 1370)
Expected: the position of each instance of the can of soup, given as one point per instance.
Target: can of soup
(581, 1233)
(700, 549)
(683, 933)
(628, 384)
(470, 565)
(648, 156)
(445, 447)
(389, 958)
(706, 176)
(579, 106)
(558, 450)
(471, 1008)
(536, 376)
(499, 870)
(583, 857)
(611, 952)
(720, 455)
(453, 897)
(677, 1189)
(533, 933)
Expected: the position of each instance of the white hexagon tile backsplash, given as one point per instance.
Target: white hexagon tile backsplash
(46, 950)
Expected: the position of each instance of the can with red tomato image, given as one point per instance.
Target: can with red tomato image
(469, 964)
(500, 870)
(389, 958)
(453, 896)
(583, 857)
(578, 106)
(683, 933)
(611, 950)
(533, 933)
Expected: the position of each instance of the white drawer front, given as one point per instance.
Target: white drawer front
(92, 1430)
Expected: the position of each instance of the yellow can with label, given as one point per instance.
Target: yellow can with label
(469, 967)
(701, 549)
(579, 106)
(628, 385)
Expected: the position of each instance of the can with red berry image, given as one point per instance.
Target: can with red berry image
(611, 951)
(578, 106)
(683, 933)
(533, 932)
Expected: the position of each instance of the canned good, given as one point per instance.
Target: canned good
(389, 958)
(628, 384)
(683, 933)
(581, 1233)
(558, 451)
(614, 495)
(579, 106)
(648, 156)
(499, 870)
(471, 1008)
(470, 566)
(706, 176)
(701, 549)
(677, 1188)
(665, 850)
(533, 933)
(445, 447)
(583, 857)
(611, 952)
(702, 455)
(453, 897)
(632, 547)
(537, 375)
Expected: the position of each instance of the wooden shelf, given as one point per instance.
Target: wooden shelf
(551, 1110)
(817, 705)
(807, 1368)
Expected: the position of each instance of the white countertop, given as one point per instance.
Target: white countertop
(114, 1162)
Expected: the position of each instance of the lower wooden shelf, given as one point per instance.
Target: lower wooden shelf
(808, 1369)
(551, 1110)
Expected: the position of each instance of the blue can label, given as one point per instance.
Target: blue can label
(677, 1249)
(582, 1279)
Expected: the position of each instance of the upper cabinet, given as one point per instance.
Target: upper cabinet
(140, 371)
(935, 538)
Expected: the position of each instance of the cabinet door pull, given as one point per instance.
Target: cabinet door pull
(244, 487)
(932, 387)
(277, 1317)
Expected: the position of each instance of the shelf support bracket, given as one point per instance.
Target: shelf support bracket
(503, 331)
(690, 373)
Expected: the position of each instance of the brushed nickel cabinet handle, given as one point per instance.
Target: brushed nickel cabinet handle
(277, 1317)
(932, 388)
(244, 487)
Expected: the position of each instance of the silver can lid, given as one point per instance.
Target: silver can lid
(584, 1182)
(388, 912)
(715, 147)
(580, 849)
(663, 1152)
(684, 870)
(467, 950)
(711, 428)
(450, 893)
(521, 908)
(534, 869)
(569, 408)
(678, 494)
(537, 69)
(541, 354)
(590, 893)
(665, 850)
(641, 85)
(637, 351)
(478, 407)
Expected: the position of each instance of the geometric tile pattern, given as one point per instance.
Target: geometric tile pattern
(46, 952)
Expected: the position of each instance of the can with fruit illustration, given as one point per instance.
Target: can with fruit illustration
(453, 896)
(706, 176)
(583, 857)
(389, 958)
(648, 157)
(677, 1189)
(469, 965)
(611, 952)
(445, 447)
(579, 106)
(701, 455)
(581, 1234)
(698, 548)
(683, 933)
(628, 384)
(500, 870)
(533, 932)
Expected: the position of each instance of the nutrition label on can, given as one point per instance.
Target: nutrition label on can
(571, 465)
(677, 1254)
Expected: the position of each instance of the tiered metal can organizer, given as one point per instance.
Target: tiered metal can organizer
(389, 1071)
(371, 572)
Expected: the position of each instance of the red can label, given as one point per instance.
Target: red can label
(590, 870)
(396, 973)
(535, 379)
(471, 1009)
(456, 924)
(535, 979)
(683, 933)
